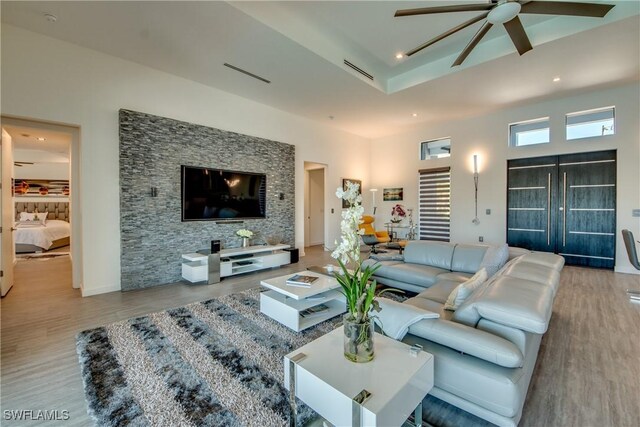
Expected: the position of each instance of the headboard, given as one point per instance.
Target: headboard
(57, 210)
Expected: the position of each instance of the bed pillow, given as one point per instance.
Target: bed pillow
(463, 290)
(27, 216)
(42, 217)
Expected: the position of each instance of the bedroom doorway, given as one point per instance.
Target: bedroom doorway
(40, 203)
(6, 221)
(314, 212)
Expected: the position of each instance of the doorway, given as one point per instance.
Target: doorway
(314, 212)
(564, 204)
(42, 162)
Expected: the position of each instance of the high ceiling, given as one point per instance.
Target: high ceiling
(300, 47)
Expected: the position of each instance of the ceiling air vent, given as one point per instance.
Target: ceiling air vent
(255, 76)
(358, 69)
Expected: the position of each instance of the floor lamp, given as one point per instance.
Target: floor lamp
(373, 198)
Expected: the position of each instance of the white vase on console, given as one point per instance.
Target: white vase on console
(245, 242)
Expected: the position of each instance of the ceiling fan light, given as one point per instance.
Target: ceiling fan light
(504, 12)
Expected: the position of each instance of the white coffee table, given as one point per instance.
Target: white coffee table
(284, 303)
(383, 392)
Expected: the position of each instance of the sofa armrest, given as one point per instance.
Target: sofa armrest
(466, 339)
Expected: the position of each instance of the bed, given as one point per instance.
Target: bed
(36, 237)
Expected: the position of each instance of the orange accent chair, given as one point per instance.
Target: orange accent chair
(371, 237)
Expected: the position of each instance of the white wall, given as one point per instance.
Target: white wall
(395, 161)
(86, 88)
(43, 170)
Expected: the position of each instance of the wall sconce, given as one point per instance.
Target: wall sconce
(373, 198)
(476, 220)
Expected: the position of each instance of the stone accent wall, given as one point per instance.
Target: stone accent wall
(153, 236)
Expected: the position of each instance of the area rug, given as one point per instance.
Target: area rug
(214, 363)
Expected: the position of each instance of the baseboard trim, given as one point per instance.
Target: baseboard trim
(626, 270)
(100, 290)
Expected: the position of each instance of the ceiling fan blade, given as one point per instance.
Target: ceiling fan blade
(448, 33)
(566, 8)
(474, 41)
(518, 36)
(444, 9)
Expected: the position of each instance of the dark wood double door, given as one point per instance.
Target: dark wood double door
(564, 204)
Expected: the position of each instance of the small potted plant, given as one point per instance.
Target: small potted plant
(246, 235)
(356, 286)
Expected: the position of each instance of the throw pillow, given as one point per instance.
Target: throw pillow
(463, 290)
(494, 258)
(27, 216)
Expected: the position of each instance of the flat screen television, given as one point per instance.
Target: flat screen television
(215, 194)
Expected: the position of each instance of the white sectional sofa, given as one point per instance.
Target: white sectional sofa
(486, 350)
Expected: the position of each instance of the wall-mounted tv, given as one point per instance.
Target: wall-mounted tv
(215, 194)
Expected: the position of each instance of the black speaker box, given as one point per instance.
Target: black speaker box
(295, 255)
(215, 246)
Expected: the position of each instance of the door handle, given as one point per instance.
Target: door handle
(549, 209)
(564, 209)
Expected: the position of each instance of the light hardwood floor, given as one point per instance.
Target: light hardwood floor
(587, 373)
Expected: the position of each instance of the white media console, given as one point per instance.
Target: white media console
(235, 261)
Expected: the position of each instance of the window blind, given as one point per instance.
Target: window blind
(434, 204)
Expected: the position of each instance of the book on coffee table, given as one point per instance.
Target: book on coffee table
(301, 280)
(315, 310)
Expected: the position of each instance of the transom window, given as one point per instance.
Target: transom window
(435, 149)
(592, 123)
(530, 132)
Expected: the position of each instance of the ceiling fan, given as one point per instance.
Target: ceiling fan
(504, 12)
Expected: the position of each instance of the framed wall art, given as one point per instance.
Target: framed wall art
(392, 194)
(345, 204)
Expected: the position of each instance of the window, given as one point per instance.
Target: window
(435, 149)
(434, 204)
(587, 124)
(530, 132)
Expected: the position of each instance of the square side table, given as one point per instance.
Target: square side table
(382, 392)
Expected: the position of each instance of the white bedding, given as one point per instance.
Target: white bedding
(43, 235)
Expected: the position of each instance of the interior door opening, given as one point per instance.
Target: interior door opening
(39, 205)
(314, 204)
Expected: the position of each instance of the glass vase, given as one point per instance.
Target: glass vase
(245, 242)
(358, 339)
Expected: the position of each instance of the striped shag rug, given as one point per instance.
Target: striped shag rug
(214, 363)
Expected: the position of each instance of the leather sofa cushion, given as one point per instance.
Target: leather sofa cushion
(384, 263)
(535, 273)
(421, 275)
(430, 305)
(429, 253)
(465, 339)
(467, 258)
(518, 303)
(440, 291)
(550, 260)
(496, 388)
(455, 276)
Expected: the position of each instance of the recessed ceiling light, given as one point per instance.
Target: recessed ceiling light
(414, 115)
(399, 55)
(556, 79)
(41, 138)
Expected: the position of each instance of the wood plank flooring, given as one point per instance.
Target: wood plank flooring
(587, 373)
